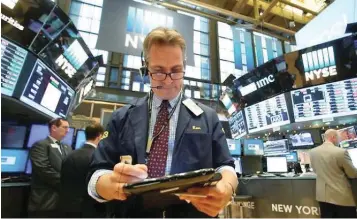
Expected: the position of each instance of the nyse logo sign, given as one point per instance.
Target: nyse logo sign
(64, 64)
(140, 22)
(250, 88)
(319, 64)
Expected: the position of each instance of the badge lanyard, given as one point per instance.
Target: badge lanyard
(152, 139)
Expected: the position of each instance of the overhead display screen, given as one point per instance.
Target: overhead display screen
(69, 56)
(301, 139)
(267, 114)
(47, 92)
(276, 147)
(325, 101)
(56, 21)
(21, 21)
(237, 125)
(227, 102)
(12, 61)
(348, 137)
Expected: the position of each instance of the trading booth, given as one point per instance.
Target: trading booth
(282, 101)
(46, 71)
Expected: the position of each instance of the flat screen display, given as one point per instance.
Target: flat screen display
(40, 132)
(292, 157)
(276, 147)
(267, 114)
(353, 154)
(56, 21)
(301, 139)
(253, 147)
(28, 169)
(277, 165)
(47, 92)
(238, 165)
(69, 56)
(13, 160)
(237, 125)
(325, 101)
(80, 139)
(22, 20)
(12, 136)
(347, 137)
(13, 59)
(227, 102)
(234, 146)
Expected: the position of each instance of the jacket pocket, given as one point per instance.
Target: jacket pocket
(196, 151)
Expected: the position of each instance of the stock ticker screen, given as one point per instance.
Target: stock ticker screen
(267, 114)
(325, 101)
(47, 92)
(237, 125)
(13, 58)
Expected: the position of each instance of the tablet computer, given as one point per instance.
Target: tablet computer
(175, 183)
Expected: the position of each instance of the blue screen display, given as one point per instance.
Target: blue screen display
(234, 146)
(28, 167)
(292, 157)
(40, 132)
(13, 160)
(80, 139)
(253, 147)
(12, 136)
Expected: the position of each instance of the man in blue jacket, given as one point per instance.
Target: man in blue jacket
(161, 134)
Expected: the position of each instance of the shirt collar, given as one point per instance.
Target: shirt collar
(53, 139)
(91, 144)
(156, 101)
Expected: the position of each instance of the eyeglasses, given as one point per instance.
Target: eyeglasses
(161, 76)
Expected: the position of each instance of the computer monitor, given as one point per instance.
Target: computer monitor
(80, 139)
(39, 132)
(28, 169)
(234, 146)
(353, 154)
(12, 136)
(277, 165)
(348, 137)
(276, 147)
(253, 147)
(238, 165)
(13, 160)
(292, 157)
(301, 139)
(47, 92)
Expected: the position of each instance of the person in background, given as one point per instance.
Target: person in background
(333, 167)
(74, 198)
(184, 136)
(46, 158)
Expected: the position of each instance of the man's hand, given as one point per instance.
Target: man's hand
(217, 198)
(110, 186)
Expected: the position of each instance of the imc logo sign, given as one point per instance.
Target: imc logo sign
(140, 22)
(319, 64)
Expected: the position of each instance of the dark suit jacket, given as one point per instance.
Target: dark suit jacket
(199, 143)
(45, 181)
(74, 197)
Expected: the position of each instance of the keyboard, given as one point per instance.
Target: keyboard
(267, 175)
(16, 179)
